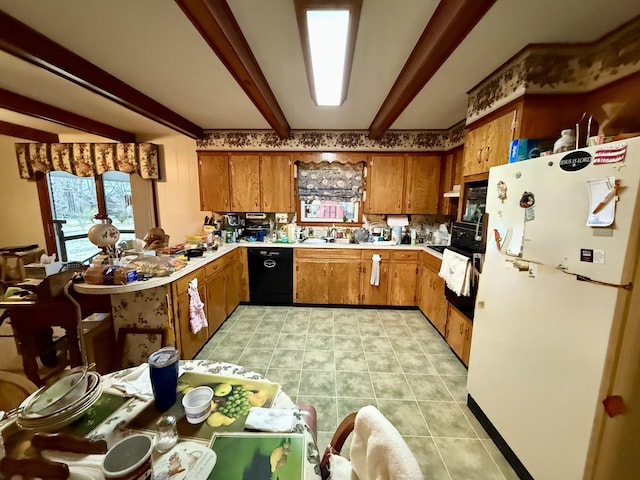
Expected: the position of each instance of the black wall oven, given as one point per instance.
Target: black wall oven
(468, 239)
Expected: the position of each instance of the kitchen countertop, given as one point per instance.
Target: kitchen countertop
(198, 262)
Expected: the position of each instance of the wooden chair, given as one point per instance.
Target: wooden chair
(377, 450)
(14, 389)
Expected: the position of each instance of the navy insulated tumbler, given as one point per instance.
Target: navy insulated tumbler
(163, 370)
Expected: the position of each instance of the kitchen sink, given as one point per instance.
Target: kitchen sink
(314, 240)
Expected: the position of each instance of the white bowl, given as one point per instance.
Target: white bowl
(197, 404)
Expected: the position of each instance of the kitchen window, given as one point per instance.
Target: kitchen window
(330, 192)
(75, 200)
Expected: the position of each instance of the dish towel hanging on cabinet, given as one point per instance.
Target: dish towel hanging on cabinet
(375, 270)
(456, 272)
(197, 318)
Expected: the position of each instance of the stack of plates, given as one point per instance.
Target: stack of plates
(57, 405)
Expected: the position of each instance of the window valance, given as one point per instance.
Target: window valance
(88, 159)
(330, 181)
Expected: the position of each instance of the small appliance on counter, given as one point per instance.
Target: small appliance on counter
(257, 225)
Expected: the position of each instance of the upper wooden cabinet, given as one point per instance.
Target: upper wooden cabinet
(385, 184)
(275, 183)
(422, 183)
(399, 183)
(213, 174)
(450, 175)
(488, 144)
(244, 179)
(245, 183)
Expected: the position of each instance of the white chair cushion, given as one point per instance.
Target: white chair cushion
(341, 468)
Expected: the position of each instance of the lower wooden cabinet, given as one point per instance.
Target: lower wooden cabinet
(220, 286)
(403, 278)
(431, 299)
(188, 342)
(458, 334)
(375, 294)
(323, 276)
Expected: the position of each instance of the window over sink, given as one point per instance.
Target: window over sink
(330, 192)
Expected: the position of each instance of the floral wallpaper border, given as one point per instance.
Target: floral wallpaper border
(541, 69)
(333, 140)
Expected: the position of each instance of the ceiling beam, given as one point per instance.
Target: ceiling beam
(27, 133)
(27, 106)
(22, 41)
(219, 28)
(449, 25)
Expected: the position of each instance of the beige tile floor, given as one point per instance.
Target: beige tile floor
(339, 359)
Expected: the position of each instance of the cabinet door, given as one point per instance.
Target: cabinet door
(450, 175)
(213, 177)
(433, 302)
(216, 301)
(422, 190)
(244, 176)
(385, 184)
(403, 279)
(374, 295)
(499, 133)
(311, 282)
(343, 282)
(474, 150)
(275, 183)
(458, 337)
(190, 342)
(233, 275)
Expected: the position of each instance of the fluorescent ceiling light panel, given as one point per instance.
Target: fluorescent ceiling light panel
(328, 31)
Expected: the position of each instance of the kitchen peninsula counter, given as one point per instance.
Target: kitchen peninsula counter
(198, 262)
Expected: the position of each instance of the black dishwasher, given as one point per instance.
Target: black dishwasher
(270, 275)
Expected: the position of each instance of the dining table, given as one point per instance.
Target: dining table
(127, 408)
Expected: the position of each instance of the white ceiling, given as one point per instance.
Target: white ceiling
(152, 46)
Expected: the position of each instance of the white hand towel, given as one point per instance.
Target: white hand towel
(456, 272)
(378, 451)
(375, 270)
(197, 318)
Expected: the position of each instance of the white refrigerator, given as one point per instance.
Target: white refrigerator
(553, 300)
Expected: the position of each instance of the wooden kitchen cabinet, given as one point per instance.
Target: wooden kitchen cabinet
(327, 276)
(233, 279)
(216, 300)
(244, 181)
(488, 144)
(458, 334)
(431, 299)
(403, 278)
(371, 294)
(385, 184)
(399, 183)
(213, 174)
(422, 183)
(189, 342)
(450, 175)
(276, 183)
(310, 284)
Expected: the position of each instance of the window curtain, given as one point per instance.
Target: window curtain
(330, 181)
(88, 159)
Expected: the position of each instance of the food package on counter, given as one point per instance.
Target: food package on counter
(110, 275)
(152, 266)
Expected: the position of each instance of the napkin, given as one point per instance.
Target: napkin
(136, 383)
(81, 466)
(270, 419)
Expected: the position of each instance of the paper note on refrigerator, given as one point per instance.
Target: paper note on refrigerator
(602, 202)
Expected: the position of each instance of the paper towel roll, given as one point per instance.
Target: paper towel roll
(397, 220)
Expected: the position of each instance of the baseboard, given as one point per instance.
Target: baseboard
(500, 442)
